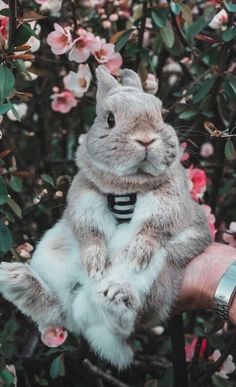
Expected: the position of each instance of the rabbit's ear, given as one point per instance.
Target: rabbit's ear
(106, 82)
(131, 78)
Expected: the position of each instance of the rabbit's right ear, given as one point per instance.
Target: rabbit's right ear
(131, 78)
(106, 82)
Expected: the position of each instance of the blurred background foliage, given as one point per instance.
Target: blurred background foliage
(187, 49)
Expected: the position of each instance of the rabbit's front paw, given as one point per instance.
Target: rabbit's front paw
(94, 259)
(141, 252)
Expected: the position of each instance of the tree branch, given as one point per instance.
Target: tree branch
(141, 33)
(12, 24)
(108, 378)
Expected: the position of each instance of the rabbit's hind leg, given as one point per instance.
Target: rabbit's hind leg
(22, 287)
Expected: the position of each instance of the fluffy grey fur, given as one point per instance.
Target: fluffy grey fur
(90, 274)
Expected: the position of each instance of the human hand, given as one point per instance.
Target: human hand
(202, 276)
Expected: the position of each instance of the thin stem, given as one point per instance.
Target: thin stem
(141, 33)
(74, 16)
(12, 24)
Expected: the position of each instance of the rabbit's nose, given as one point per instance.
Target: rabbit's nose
(145, 143)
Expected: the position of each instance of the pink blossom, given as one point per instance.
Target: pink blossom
(185, 156)
(197, 182)
(220, 20)
(190, 349)
(104, 52)
(4, 27)
(41, 1)
(211, 220)
(3, 5)
(151, 84)
(207, 150)
(63, 102)
(226, 368)
(106, 24)
(11, 368)
(54, 336)
(51, 5)
(94, 3)
(230, 236)
(125, 8)
(83, 46)
(60, 40)
(78, 82)
(21, 108)
(114, 64)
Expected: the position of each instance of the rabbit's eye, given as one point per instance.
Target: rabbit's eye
(111, 120)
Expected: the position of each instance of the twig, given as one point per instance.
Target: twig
(179, 32)
(97, 371)
(74, 17)
(12, 24)
(30, 346)
(141, 32)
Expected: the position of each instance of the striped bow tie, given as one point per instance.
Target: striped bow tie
(122, 206)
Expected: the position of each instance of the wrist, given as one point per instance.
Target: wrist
(202, 276)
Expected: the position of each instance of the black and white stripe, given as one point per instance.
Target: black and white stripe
(122, 206)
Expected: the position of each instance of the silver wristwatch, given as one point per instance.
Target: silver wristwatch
(225, 292)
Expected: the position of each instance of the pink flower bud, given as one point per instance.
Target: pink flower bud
(53, 336)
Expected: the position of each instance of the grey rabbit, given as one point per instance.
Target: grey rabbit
(115, 259)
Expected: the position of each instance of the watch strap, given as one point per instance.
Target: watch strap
(225, 292)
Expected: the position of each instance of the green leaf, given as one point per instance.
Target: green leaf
(232, 81)
(201, 22)
(48, 179)
(7, 82)
(188, 114)
(9, 216)
(167, 35)
(5, 107)
(219, 382)
(230, 153)
(15, 112)
(57, 367)
(123, 40)
(157, 44)
(6, 241)
(10, 328)
(229, 88)
(159, 18)
(16, 183)
(23, 33)
(5, 12)
(175, 8)
(14, 206)
(229, 34)
(203, 90)
(3, 191)
(7, 377)
(229, 6)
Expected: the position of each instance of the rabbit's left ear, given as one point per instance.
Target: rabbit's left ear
(131, 78)
(106, 82)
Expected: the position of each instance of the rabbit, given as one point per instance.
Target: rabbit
(101, 271)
